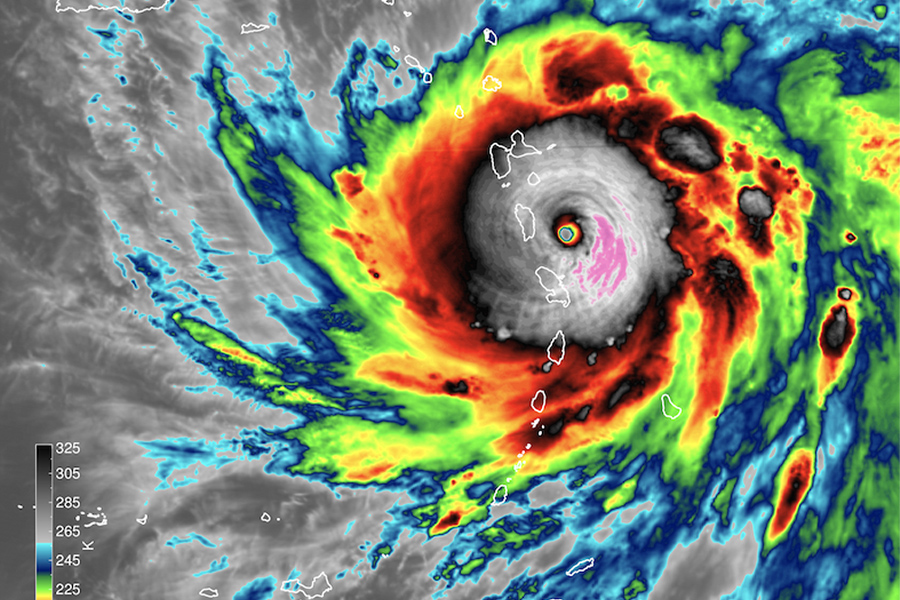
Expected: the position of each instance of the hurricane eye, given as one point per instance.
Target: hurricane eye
(568, 231)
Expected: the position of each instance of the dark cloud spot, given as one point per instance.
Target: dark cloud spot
(555, 428)
(460, 387)
(583, 413)
(726, 273)
(617, 395)
(755, 203)
(690, 146)
(627, 129)
(834, 335)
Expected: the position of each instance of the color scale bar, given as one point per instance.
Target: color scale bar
(43, 521)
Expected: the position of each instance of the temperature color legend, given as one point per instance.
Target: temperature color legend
(43, 521)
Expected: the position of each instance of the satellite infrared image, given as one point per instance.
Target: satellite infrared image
(449, 299)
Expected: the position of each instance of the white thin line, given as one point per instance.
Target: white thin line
(138, 11)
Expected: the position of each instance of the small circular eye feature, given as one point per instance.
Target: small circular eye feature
(567, 230)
